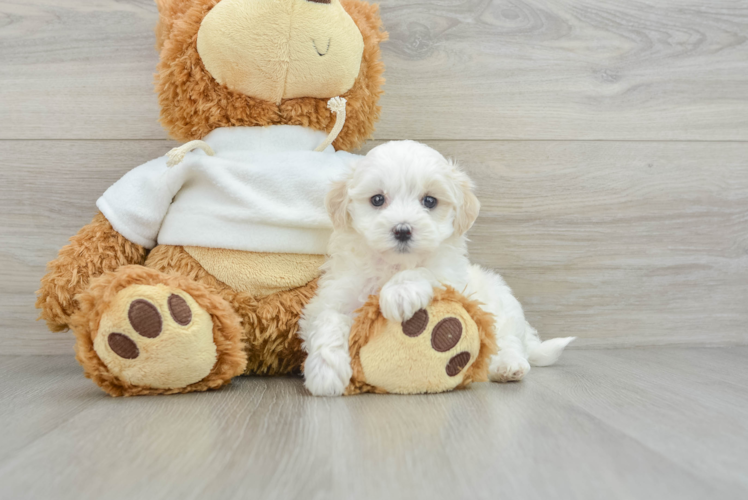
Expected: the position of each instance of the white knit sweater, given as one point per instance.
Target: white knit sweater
(263, 191)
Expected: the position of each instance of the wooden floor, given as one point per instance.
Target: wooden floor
(658, 423)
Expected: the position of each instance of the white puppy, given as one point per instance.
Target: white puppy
(400, 220)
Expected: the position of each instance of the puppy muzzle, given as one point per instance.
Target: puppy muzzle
(403, 234)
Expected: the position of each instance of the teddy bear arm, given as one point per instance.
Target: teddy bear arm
(97, 248)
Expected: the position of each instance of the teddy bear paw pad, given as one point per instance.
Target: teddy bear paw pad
(156, 336)
(428, 353)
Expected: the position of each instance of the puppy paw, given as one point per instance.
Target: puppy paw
(327, 372)
(400, 301)
(508, 366)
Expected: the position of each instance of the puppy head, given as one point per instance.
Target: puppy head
(404, 198)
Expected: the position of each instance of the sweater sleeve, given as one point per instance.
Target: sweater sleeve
(136, 204)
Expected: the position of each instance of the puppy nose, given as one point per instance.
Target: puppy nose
(402, 232)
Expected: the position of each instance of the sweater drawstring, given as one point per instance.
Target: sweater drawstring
(337, 106)
(176, 155)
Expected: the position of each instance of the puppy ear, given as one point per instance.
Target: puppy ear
(467, 211)
(336, 202)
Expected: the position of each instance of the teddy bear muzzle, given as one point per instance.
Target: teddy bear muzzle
(247, 45)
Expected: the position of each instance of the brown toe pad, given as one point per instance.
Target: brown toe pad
(440, 348)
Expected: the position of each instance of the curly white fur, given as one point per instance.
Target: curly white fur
(367, 256)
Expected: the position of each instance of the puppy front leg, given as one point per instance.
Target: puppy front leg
(327, 370)
(325, 331)
(407, 292)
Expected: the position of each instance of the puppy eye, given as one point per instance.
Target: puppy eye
(429, 202)
(377, 200)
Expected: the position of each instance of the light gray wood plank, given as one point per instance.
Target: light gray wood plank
(670, 399)
(569, 69)
(78, 69)
(38, 395)
(474, 69)
(618, 243)
(614, 424)
(48, 191)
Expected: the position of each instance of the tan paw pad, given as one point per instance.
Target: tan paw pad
(156, 336)
(428, 353)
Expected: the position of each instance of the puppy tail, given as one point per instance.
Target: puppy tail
(546, 353)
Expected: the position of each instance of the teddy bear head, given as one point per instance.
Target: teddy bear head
(227, 63)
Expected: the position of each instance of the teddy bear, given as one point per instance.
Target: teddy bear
(198, 264)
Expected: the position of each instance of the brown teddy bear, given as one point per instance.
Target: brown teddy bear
(198, 265)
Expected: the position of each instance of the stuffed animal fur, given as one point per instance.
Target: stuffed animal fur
(195, 271)
(443, 347)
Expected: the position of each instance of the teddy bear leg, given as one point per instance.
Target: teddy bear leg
(442, 347)
(140, 331)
